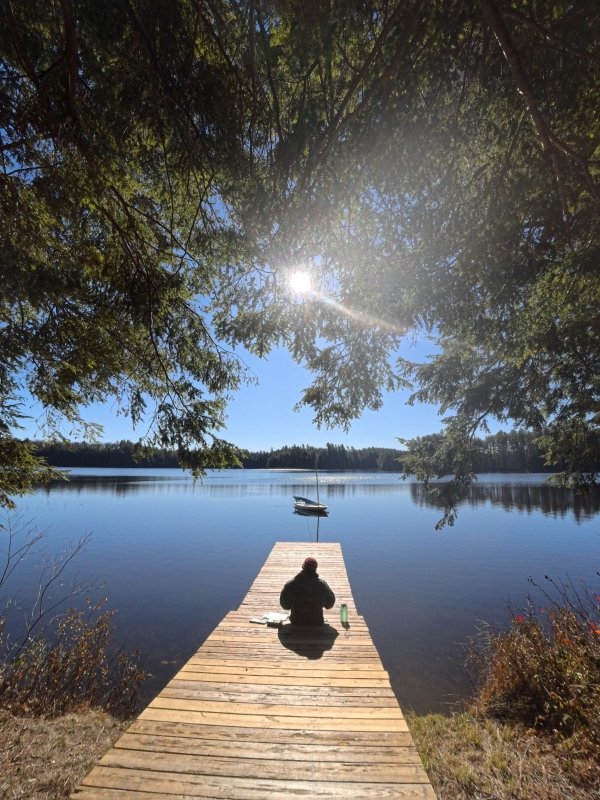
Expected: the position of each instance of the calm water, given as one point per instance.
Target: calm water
(174, 556)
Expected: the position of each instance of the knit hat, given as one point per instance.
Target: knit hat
(310, 563)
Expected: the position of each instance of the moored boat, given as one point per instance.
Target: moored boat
(303, 505)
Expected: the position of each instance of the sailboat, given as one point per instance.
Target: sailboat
(303, 505)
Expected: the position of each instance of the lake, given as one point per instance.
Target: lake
(173, 556)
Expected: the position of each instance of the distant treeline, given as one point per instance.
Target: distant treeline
(127, 454)
(502, 452)
(104, 454)
(515, 451)
(332, 456)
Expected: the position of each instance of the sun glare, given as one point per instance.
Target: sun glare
(300, 282)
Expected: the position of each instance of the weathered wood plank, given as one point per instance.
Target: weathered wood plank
(264, 713)
(275, 750)
(358, 670)
(275, 720)
(290, 695)
(317, 711)
(340, 739)
(285, 680)
(230, 788)
(242, 767)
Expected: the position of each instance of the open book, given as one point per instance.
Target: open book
(271, 618)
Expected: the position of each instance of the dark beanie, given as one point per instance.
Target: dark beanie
(310, 563)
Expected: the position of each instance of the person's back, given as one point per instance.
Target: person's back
(306, 595)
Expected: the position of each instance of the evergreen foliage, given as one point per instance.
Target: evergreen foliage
(331, 457)
(164, 167)
(127, 454)
(109, 454)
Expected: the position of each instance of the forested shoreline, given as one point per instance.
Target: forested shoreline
(515, 451)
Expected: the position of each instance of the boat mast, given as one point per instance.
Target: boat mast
(317, 477)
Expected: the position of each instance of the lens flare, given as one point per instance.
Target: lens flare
(300, 282)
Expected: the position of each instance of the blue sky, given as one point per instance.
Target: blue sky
(262, 417)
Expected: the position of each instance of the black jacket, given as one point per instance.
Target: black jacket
(305, 596)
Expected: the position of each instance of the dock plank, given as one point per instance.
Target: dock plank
(264, 713)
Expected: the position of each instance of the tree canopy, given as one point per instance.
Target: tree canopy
(434, 164)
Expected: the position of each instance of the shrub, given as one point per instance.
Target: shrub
(69, 668)
(59, 662)
(544, 670)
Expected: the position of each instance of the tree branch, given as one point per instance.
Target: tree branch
(71, 49)
(512, 13)
(496, 23)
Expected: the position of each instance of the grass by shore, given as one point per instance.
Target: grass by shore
(468, 757)
(44, 759)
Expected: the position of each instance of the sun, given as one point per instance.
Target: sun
(300, 281)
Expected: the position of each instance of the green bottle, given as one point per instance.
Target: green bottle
(343, 613)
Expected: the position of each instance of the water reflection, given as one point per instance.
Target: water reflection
(550, 500)
(522, 496)
(117, 484)
(311, 520)
(244, 487)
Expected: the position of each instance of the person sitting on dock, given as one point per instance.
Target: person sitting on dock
(307, 595)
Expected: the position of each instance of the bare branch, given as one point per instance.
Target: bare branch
(15, 556)
(48, 580)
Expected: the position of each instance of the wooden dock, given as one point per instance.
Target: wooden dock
(262, 712)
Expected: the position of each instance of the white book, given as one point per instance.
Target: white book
(274, 617)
